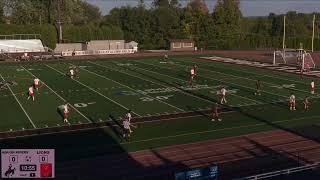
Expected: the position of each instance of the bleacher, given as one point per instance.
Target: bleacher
(18, 46)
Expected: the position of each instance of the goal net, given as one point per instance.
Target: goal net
(293, 57)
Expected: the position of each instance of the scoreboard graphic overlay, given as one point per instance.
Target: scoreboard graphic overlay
(27, 163)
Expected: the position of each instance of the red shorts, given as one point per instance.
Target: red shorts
(31, 94)
(312, 88)
(293, 103)
(36, 85)
(222, 96)
(66, 114)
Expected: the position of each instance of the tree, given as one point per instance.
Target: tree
(160, 3)
(175, 4)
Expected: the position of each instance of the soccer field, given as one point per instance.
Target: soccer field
(165, 108)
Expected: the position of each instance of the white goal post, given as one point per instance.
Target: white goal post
(294, 57)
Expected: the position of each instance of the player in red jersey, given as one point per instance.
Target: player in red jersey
(258, 86)
(306, 103)
(31, 93)
(312, 87)
(292, 102)
(215, 113)
(65, 112)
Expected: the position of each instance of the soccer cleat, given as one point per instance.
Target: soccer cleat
(219, 119)
(213, 120)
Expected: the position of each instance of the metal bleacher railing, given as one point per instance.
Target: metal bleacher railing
(20, 36)
(282, 172)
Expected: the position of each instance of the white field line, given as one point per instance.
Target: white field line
(95, 91)
(107, 126)
(252, 79)
(216, 130)
(34, 126)
(153, 82)
(258, 102)
(235, 83)
(274, 77)
(133, 89)
(58, 95)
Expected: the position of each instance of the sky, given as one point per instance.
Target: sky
(248, 7)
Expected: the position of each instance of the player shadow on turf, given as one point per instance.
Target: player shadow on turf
(115, 126)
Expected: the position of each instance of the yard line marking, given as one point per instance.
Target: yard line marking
(34, 126)
(58, 95)
(134, 90)
(215, 130)
(94, 90)
(185, 81)
(253, 79)
(155, 83)
(223, 82)
(274, 77)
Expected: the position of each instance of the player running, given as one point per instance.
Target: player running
(31, 92)
(223, 93)
(312, 86)
(306, 103)
(36, 83)
(292, 102)
(65, 113)
(258, 86)
(215, 113)
(128, 115)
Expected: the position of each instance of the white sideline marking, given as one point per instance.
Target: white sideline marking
(215, 130)
(134, 90)
(93, 90)
(59, 96)
(34, 126)
(155, 83)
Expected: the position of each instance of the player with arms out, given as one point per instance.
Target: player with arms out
(36, 83)
(292, 102)
(312, 87)
(223, 93)
(127, 129)
(258, 86)
(306, 103)
(31, 93)
(215, 113)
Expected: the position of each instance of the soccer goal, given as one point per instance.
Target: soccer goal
(294, 57)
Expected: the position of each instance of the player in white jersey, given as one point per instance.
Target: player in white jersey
(36, 83)
(72, 73)
(312, 87)
(292, 102)
(306, 103)
(223, 93)
(31, 93)
(65, 112)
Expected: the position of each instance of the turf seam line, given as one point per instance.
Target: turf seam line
(93, 90)
(258, 102)
(30, 120)
(155, 83)
(133, 89)
(59, 95)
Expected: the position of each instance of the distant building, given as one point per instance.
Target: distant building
(182, 45)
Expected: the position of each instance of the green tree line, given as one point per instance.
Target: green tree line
(224, 27)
